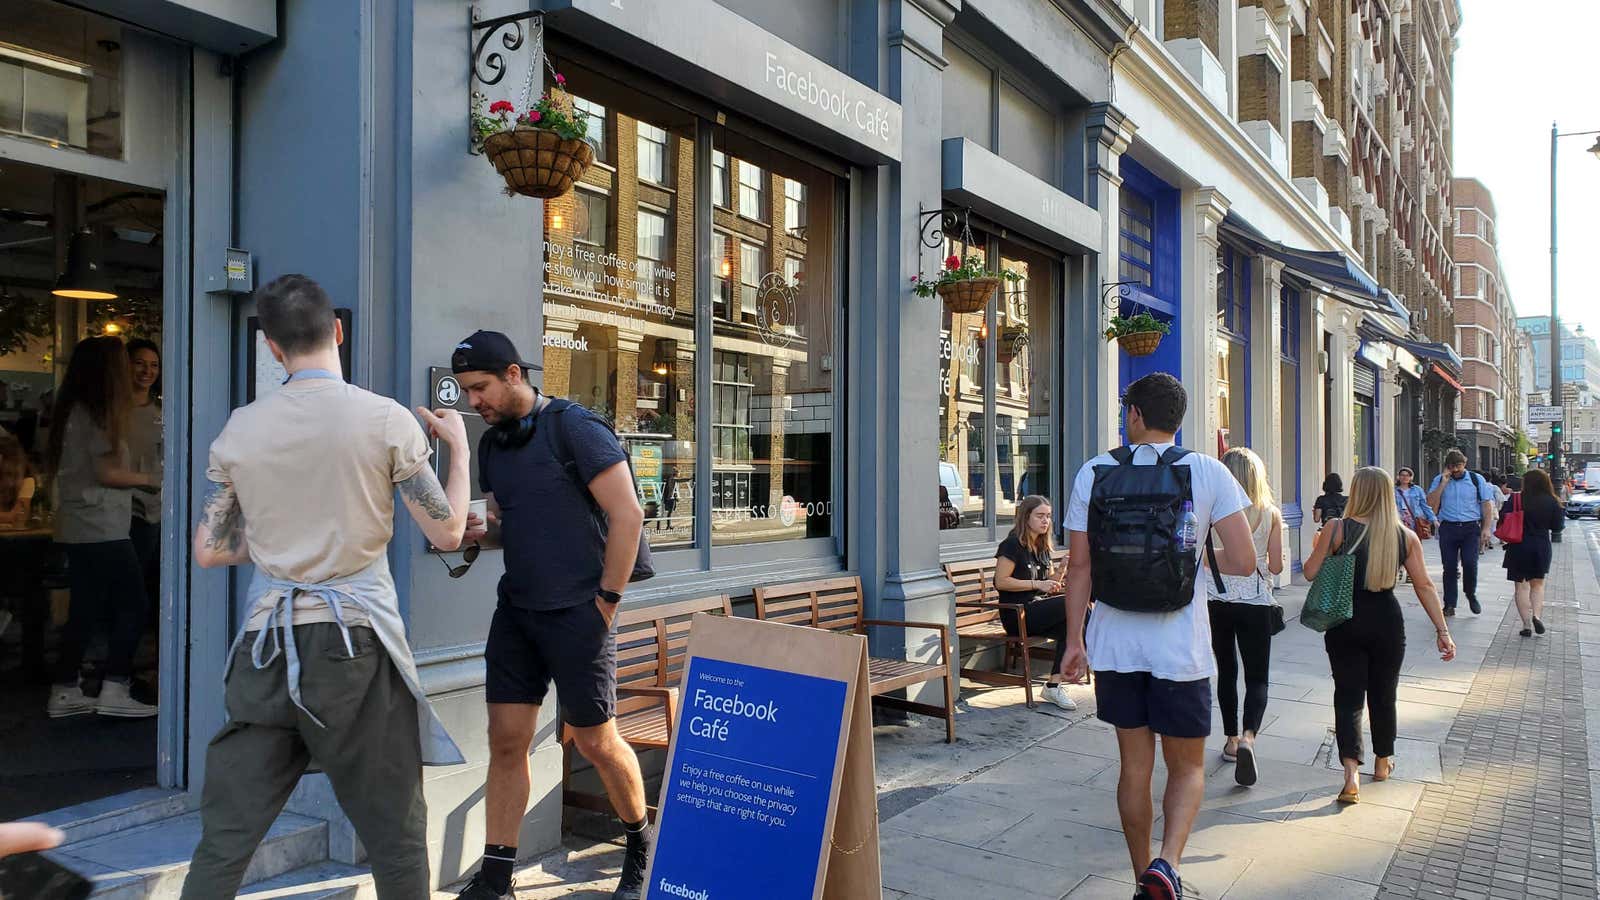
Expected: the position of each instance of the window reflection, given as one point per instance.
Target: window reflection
(1024, 362)
(61, 76)
(962, 375)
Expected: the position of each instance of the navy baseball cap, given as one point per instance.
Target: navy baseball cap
(487, 351)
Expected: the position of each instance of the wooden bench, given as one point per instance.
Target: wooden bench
(978, 621)
(652, 646)
(837, 605)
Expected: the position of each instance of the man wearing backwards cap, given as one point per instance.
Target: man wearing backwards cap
(538, 467)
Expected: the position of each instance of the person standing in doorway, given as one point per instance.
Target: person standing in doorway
(302, 486)
(1527, 562)
(1150, 639)
(1465, 504)
(1366, 651)
(94, 485)
(545, 466)
(1243, 616)
(1024, 574)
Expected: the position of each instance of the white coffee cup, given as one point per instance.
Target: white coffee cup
(479, 508)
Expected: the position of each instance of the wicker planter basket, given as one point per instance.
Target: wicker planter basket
(968, 296)
(537, 163)
(1140, 343)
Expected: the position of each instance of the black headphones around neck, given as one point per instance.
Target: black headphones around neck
(520, 432)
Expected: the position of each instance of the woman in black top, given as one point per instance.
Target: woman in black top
(1331, 504)
(1528, 562)
(1023, 574)
(1366, 651)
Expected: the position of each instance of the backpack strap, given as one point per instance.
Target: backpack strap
(1173, 454)
(1211, 558)
(1123, 455)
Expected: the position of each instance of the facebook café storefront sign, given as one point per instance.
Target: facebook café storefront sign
(769, 787)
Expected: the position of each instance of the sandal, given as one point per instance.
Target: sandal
(1393, 763)
(1350, 798)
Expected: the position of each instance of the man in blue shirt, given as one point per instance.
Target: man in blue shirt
(1465, 503)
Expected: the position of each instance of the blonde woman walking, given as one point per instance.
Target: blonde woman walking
(1367, 651)
(1244, 616)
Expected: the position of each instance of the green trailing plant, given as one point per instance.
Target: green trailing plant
(957, 269)
(554, 111)
(1136, 324)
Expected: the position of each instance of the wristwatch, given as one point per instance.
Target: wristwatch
(611, 597)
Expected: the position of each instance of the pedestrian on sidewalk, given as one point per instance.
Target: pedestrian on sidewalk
(1528, 561)
(302, 485)
(1137, 519)
(1412, 504)
(1331, 504)
(545, 467)
(1365, 652)
(1244, 615)
(1465, 504)
(1024, 574)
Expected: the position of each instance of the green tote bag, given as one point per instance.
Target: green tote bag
(1331, 600)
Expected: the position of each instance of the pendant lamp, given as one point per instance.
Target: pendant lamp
(85, 277)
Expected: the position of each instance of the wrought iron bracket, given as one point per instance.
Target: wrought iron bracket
(1112, 295)
(934, 224)
(485, 69)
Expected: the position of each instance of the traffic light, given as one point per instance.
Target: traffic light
(1555, 429)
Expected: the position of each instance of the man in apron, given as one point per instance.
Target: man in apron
(303, 484)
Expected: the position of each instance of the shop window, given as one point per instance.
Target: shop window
(1027, 134)
(652, 153)
(1137, 247)
(1233, 351)
(720, 187)
(1289, 402)
(967, 86)
(61, 77)
(752, 191)
(794, 205)
(619, 304)
(721, 286)
(961, 401)
(776, 358)
(1024, 361)
(595, 114)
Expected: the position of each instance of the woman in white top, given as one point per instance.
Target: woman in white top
(1244, 615)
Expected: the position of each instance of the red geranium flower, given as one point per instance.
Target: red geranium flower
(534, 115)
(561, 79)
(501, 106)
(952, 262)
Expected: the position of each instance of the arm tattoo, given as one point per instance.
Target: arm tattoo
(423, 490)
(223, 518)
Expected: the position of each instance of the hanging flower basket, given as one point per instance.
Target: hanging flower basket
(540, 152)
(1140, 343)
(1138, 335)
(537, 162)
(965, 286)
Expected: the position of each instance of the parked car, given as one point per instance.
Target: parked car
(1585, 504)
(969, 507)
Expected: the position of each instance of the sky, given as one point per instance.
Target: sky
(1518, 67)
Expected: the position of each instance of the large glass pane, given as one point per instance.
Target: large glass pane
(963, 385)
(1023, 366)
(774, 354)
(1233, 392)
(1289, 413)
(61, 76)
(619, 307)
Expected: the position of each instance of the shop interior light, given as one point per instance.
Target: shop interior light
(85, 277)
(556, 222)
(727, 268)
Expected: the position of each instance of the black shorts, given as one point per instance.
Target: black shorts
(1180, 709)
(572, 647)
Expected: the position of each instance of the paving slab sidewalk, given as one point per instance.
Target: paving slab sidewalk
(1024, 805)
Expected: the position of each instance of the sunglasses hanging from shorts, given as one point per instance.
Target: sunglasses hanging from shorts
(468, 557)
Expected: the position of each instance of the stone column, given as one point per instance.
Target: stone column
(777, 390)
(1394, 418)
(1201, 217)
(1341, 369)
(558, 359)
(1266, 371)
(1091, 366)
(1314, 323)
(625, 416)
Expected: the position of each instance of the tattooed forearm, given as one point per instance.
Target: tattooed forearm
(423, 491)
(223, 519)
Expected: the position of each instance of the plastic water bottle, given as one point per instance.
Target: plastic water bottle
(1189, 528)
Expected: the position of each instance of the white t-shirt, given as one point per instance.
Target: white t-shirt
(1176, 645)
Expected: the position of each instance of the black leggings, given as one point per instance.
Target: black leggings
(1047, 618)
(107, 591)
(1249, 626)
(1366, 654)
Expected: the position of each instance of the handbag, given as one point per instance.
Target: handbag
(1510, 528)
(1331, 600)
(1275, 620)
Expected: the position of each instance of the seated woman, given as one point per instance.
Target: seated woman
(16, 486)
(1023, 575)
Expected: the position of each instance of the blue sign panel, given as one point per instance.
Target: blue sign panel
(744, 808)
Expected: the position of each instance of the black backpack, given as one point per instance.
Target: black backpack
(1136, 552)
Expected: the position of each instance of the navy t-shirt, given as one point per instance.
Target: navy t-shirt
(554, 551)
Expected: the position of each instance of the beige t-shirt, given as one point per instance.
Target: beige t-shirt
(314, 465)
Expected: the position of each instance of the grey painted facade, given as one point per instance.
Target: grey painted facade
(337, 148)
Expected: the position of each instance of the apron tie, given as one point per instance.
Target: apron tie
(280, 626)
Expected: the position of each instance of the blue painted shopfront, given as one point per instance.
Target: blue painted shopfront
(1149, 254)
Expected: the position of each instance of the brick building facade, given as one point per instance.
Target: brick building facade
(1486, 333)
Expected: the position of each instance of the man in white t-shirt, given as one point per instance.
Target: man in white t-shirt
(1153, 669)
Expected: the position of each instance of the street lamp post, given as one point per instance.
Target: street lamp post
(1556, 474)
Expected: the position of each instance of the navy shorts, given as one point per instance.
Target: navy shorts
(572, 647)
(1180, 709)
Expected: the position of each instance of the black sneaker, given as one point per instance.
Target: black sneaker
(478, 889)
(1538, 625)
(1449, 610)
(1477, 608)
(631, 885)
